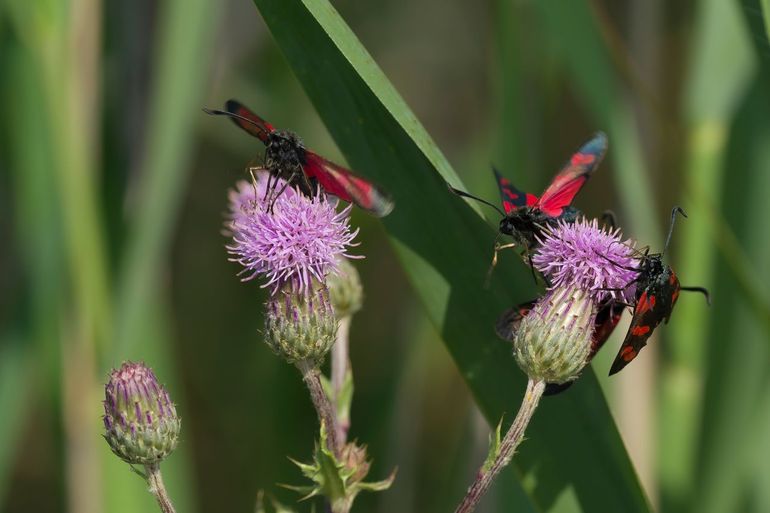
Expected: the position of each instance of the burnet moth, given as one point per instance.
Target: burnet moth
(286, 157)
(525, 216)
(657, 289)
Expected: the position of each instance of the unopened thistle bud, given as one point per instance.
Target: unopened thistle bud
(300, 325)
(140, 420)
(585, 266)
(345, 290)
(554, 339)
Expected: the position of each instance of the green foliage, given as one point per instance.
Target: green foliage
(338, 480)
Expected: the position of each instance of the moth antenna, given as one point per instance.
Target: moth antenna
(621, 266)
(217, 112)
(702, 290)
(671, 226)
(464, 194)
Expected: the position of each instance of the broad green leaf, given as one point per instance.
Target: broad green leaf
(445, 247)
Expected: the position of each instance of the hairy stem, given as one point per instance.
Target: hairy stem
(158, 489)
(311, 375)
(340, 367)
(507, 447)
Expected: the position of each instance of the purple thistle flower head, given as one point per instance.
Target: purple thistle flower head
(141, 423)
(581, 255)
(298, 240)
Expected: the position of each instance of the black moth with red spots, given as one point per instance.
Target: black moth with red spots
(287, 158)
(525, 215)
(657, 289)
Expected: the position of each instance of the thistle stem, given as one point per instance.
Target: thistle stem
(507, 447)
(158, 489)
(340, 367)
(311, 375)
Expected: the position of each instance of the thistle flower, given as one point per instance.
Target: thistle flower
(140, 420)
(582, 255)
(299, 239)
(586, 266)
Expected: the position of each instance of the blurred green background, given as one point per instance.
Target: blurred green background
(113, 186)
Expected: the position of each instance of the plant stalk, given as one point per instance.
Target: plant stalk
(311, 375)
(158, 489)
(340, 367)
(508, 446)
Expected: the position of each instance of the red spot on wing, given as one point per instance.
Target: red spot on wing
(675, 296)
(582, 159)
(511, 197)
(531, 200)
(644, 303)
(341, 182)
(628, 353)
(638, 331)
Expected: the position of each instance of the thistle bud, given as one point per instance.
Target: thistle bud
(554, 339)
(345, 290)
(300, 323)
(140, 420)
(355, 462)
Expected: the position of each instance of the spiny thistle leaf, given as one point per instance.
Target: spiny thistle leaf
(338, 481)
(494, 447)
(276, 507)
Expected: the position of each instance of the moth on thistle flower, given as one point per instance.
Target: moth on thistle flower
(558, 336)
(657, 290)
(290, 164)
(525, 216)
(293, 242)
(300, 239)
(648, 285)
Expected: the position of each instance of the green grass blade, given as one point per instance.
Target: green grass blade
(444, 247)
(737, 390)
(15, 368)
(61, 39)
(185, 41)
(30, 360)
(721, 48)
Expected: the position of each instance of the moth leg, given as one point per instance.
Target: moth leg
(285, 185)
(268, 186)
(610, 219)
(492, 266)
